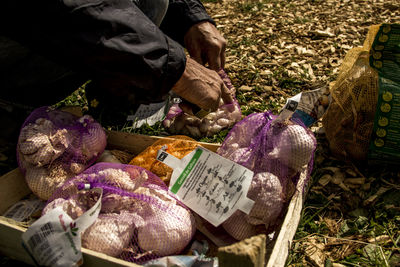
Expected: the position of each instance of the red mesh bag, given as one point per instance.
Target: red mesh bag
(54, 145)
(139, 219)
(276, 152)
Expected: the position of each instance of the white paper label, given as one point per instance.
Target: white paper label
(149, 114)
(212, 186)
(21, 210)
(55, 239)
(289, 108)
(305, 105)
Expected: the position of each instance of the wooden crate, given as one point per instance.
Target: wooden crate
(13, 188)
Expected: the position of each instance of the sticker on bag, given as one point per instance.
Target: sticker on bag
(212, 186)
(55, 239)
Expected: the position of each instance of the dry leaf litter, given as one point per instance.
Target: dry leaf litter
(277, 49)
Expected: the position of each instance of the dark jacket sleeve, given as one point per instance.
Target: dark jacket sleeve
(181, 15)
(103, 38)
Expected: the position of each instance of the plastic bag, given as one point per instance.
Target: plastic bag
(276, 151)
(177, 145)
(54, 145)
(179, 122)
(139, 219)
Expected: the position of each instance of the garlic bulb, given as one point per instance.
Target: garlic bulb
(267, 192)
(71, 206)
(40, 143)
(238, 227)
(44, 181)
(294, 148)
(110, 234)
(94, 140)
(168, 233)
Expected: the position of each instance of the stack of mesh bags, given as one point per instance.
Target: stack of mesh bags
(276, 151)
(139, 219)
(54, 145)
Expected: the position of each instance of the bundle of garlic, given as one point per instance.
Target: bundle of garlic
(139, 219)
(179, 122)
(276, 152)
(54, 145)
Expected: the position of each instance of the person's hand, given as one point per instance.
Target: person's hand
(205, 44)
(202, 86)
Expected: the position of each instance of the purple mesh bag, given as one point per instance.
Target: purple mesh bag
(179, 122)
(276, 152)
(139, 219)
(55, 145)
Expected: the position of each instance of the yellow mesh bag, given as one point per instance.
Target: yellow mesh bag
(177, 145)
(349, 120)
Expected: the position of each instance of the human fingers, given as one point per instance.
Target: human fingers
(214, 61)
(226, 94)
(216, 54)
(195, 53)
(223, 56)
(199, 86)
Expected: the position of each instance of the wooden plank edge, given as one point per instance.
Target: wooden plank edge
(14, 250)
(285, 237)
(12, 188)
(136, 143)
(11, 246)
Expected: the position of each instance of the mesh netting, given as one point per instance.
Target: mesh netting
(349, 120)
(139, 219)
(54, 145)
(177, 145)
(276, 152)
(179, 122)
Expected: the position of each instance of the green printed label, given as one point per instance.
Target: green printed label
(385, 58)
(186, 171)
